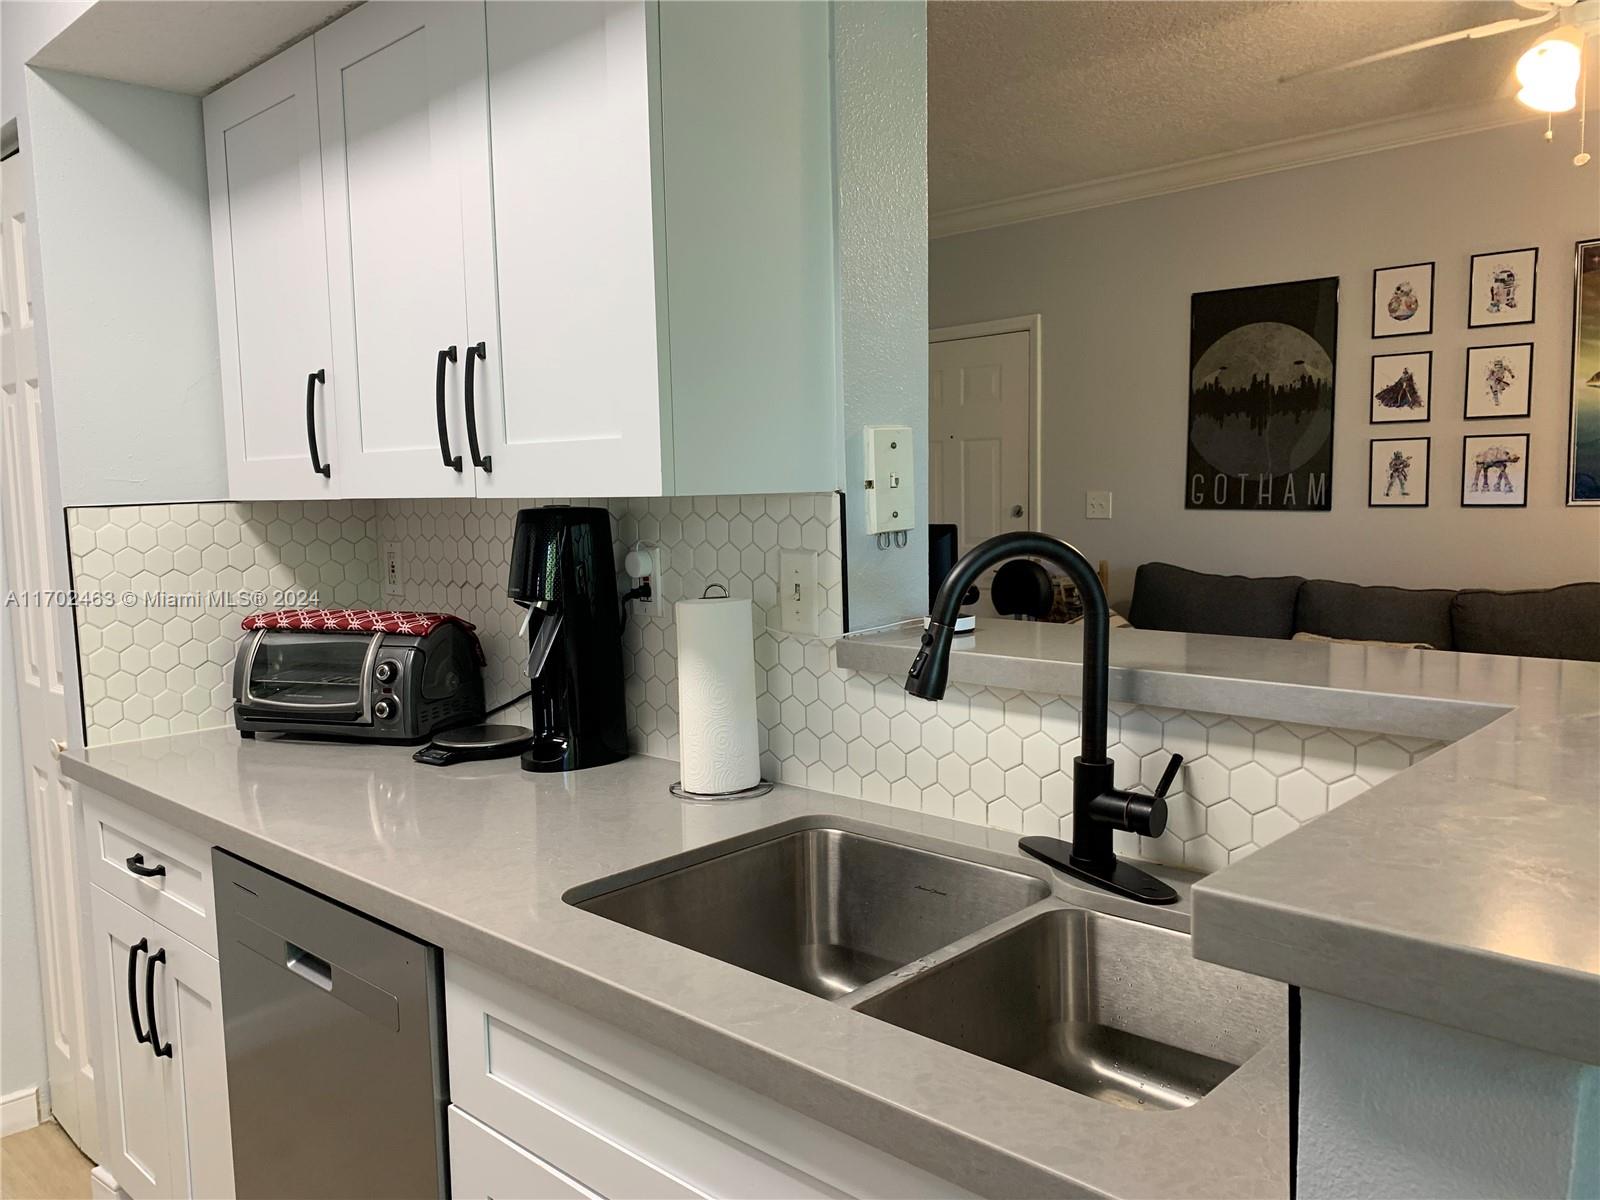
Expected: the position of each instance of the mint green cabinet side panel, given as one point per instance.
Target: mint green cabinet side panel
(747, 162)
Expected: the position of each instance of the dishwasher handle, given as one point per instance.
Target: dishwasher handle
(308, 965)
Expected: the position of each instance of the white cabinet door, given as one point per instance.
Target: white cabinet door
(136, 1140)
(575, 220)
(187, 1017)
(405, 130)
(269, 255)
(486, 1166)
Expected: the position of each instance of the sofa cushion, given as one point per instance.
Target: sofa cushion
(1169, 597)
(1351, 612)
(1559, 622)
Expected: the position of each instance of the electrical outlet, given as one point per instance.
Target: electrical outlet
(1097, 506)
(393, 584)
(797, 591)
(644, 563)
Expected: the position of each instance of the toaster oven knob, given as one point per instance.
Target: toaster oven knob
(385, 708)
(386, 672)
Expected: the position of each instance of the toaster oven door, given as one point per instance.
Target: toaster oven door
(315, 676)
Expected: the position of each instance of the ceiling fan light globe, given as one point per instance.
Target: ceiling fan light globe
(1548, 73)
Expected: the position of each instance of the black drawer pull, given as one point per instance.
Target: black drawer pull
(133, 988)
(160, 956)
(453, 461)
(317, 465)
(136, 865)
(481, 350)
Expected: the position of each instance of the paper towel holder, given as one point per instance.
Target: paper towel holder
(749, 793)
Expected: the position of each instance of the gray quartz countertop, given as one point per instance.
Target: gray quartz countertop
(477, 859)
(1464, 890)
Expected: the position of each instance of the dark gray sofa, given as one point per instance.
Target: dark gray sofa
(1558, 622)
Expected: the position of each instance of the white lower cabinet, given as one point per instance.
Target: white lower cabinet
(549, 1101)
(164, 1080)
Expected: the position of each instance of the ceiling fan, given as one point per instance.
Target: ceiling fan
(1548, 71)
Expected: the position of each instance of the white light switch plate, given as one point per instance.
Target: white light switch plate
(797, 590)
(891, 494)
(1097, 506)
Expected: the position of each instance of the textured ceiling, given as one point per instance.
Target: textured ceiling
(189, 46)
(1032, 96)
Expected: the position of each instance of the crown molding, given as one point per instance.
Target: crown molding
(1284, 155)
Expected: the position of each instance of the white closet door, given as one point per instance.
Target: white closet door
(269, 255)
(403, 103)
(575, 220)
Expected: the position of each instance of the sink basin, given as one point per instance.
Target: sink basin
(1109, 1008)
(823, 910)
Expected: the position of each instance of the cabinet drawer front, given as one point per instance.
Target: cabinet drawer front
(627, 1119)
(487, 1166)
(121, 841)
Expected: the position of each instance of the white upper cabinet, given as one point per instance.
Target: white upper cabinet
(263, 158)
(571, 250)
(403, 104)
(575, 237)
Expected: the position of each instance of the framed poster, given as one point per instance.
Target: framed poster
(1402, 300)
(1397, 475)
(1583, 446)
(1494, 470)
(1402, 387)
(1261, 396)
(1499, 381)
(1502, 288)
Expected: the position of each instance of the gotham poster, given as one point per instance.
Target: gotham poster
(1261, 396)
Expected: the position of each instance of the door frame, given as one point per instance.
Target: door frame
(1031, 324)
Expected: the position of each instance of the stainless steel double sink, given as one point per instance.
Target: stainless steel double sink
(979, 956)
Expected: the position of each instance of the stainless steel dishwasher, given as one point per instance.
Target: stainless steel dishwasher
(334, 1032)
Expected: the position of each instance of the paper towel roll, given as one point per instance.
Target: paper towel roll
(719, 747)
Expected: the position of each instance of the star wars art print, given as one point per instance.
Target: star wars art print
(1499, 381)
(1402, 387)
(1398, 474)
(1494, 470)
(1261, 368)
(1402, 300)
(1502, 288)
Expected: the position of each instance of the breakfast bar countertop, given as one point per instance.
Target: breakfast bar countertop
(1464, 890)
(478, 859)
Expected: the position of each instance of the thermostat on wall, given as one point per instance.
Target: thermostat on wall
(891, 499)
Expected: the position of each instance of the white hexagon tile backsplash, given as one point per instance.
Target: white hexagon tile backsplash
(982, 755)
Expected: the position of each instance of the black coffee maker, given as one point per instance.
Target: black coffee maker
(564, 573)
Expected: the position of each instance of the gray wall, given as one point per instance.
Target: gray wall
(26, 26)
(1113, 285)
(22, 1058)
(880, 156)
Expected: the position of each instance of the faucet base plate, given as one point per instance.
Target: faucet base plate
(1119, 877)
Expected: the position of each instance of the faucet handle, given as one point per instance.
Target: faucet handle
(1169, 775)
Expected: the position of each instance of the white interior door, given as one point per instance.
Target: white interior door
(138, 1149)
(980, 434)
(269, 254)
(575, 240)
(403, 99)
(31, 530)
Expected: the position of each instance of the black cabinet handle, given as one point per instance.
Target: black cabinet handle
(133, 988)
(160, 956)
(481, 350)
(453, 461)
(317, 465)
(136, 865)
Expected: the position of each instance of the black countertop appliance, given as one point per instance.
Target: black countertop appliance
(563, 571)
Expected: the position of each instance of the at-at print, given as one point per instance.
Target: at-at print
(1495, 459)
(1399, 469)
(1402, 393)
(1502, 289)
(1498, 378)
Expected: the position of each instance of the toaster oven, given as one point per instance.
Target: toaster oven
(369, 685)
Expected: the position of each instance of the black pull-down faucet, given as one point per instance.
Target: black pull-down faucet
(1098, 805)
